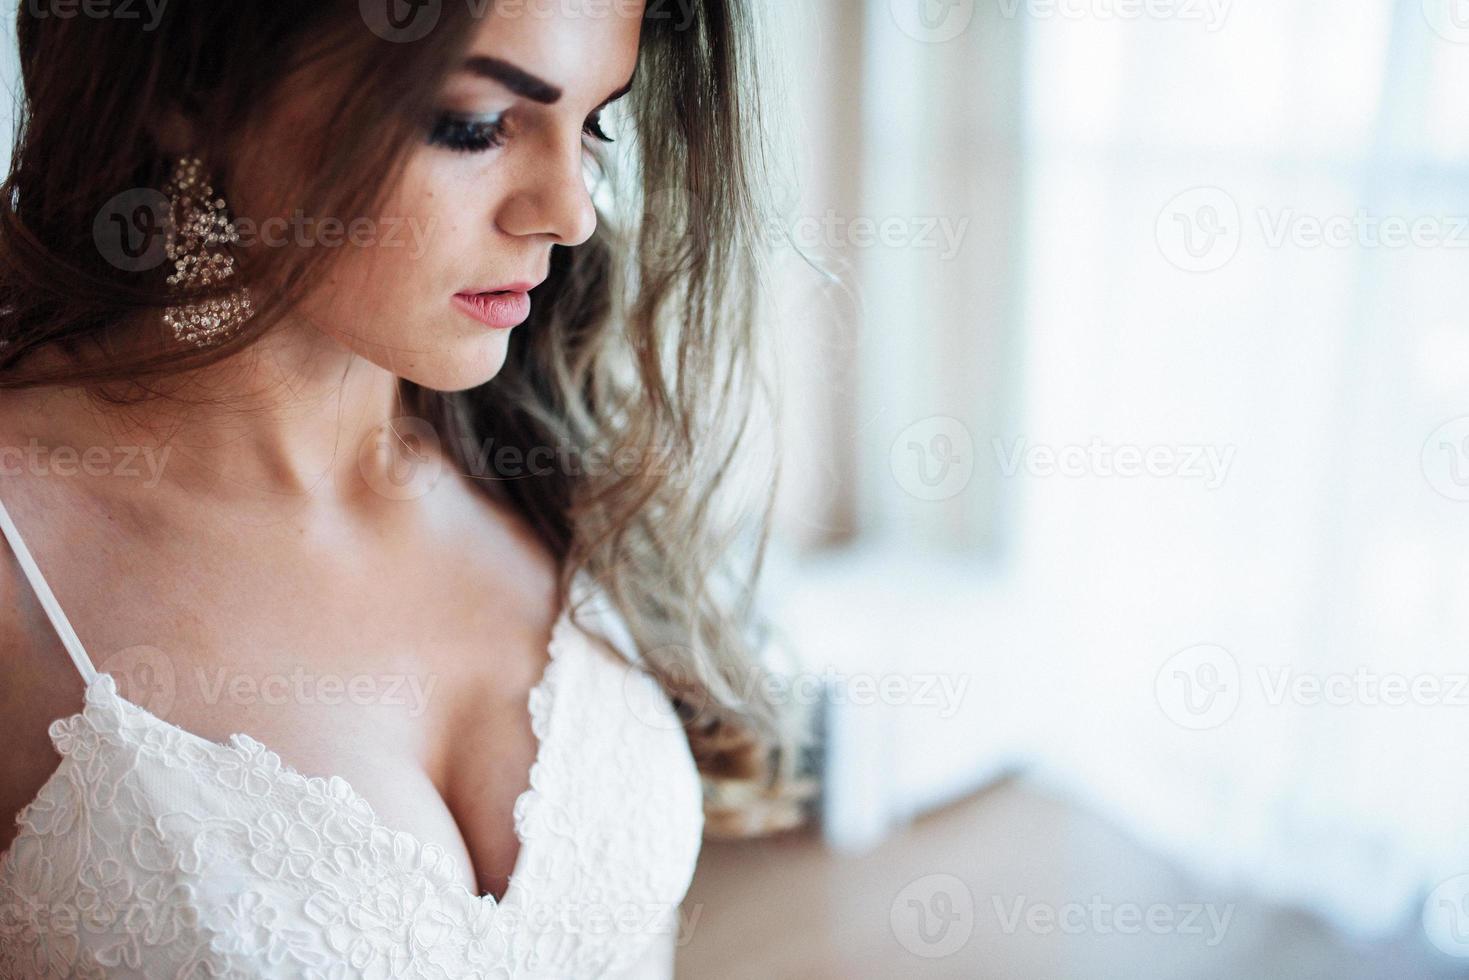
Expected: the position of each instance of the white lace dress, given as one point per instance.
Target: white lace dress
(154, 853)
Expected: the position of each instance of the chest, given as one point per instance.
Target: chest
(609, 827)
(423, 707)
(406, 670)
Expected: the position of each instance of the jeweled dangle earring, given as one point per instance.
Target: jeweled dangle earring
(198, 229)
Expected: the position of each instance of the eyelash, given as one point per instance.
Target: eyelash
(467, 134)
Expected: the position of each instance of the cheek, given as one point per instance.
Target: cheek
(447, 203)
(434, 237)
(392, 301)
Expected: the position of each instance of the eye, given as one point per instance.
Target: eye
(593, 128)
(467, 134)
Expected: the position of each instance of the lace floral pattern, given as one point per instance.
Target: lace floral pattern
(152, 852)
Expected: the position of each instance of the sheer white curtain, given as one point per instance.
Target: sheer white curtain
(1205, 345)
(1252, 241)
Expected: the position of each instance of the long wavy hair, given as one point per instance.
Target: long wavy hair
(643, 344)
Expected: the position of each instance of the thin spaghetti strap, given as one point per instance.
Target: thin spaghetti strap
(48, 599)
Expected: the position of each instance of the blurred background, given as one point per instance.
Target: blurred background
(1127, 494)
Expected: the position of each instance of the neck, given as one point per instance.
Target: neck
(289, 417)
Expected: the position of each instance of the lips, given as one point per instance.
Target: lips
(498, 309)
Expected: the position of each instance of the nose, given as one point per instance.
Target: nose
(550, 197)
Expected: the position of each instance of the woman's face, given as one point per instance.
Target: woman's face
(498, 182)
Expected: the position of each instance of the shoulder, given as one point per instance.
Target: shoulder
(32, 657)
(20, 611)
(36, 674)
(38, 685)
(14, 641)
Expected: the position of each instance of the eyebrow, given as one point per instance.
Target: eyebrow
(526, 85)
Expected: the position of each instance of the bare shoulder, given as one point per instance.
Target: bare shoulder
(38, 684)
(31, 655)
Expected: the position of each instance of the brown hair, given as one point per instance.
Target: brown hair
(644, 339)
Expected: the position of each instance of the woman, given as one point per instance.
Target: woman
(325, 384)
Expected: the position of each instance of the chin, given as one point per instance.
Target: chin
(460, 368)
